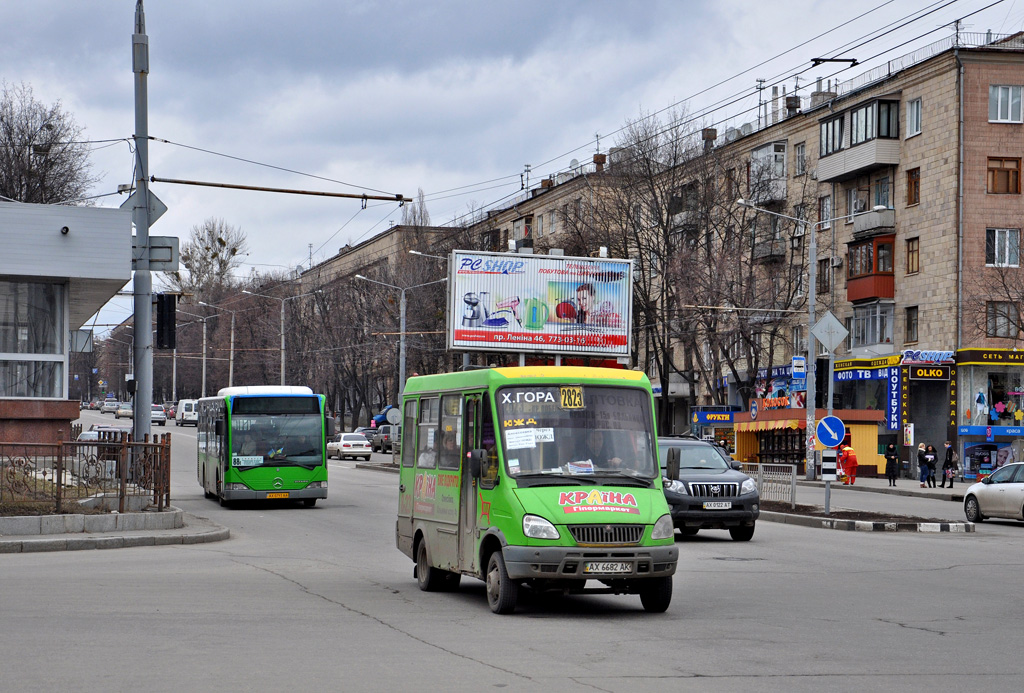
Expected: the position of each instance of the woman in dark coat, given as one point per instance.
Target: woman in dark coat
(892, 463)
(931, 458)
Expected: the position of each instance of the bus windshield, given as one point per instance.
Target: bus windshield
(577, 430)
(276, 439)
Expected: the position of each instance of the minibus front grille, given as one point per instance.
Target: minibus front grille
(607, 535)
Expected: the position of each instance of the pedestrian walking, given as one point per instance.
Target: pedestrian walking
(949, 466)
(848, 458)
(922, 465)
(931, 458)
(892, 463)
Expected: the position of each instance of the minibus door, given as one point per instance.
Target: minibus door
(467, 506)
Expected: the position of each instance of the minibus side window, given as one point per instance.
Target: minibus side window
(451, 432)
(489, 467)
(409, 434)
(426, 445)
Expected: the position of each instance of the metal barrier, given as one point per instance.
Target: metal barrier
(40, 474)
(775, 482)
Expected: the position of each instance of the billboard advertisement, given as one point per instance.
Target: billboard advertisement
(540, 303)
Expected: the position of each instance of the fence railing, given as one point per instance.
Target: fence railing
(113, 466)
(775, 482)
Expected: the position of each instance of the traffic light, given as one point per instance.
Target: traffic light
(166, 307)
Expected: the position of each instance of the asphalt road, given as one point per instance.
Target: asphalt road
(319, 598)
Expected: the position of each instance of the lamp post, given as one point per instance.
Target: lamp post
(282, 300)
(812, 299)
(401, 332)
(231, 353)
(203, 318)
(447, 259)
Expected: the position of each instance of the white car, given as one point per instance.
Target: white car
(159, 416)
(109, 406)
(186, 413)
(348, 445)
(1000, 494)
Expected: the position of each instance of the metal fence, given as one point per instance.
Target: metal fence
(114, 466)
(775, 482)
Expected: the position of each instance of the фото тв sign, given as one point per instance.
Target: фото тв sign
(540, 303)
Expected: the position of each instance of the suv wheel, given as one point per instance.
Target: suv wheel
(741, 533)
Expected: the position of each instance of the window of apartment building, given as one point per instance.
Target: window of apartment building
(799, 344)
(539, 225)
(551, 222)
(913, 255)
(881, 189)
(824, 282)
(871, 324)
(1002, 319)
(913, 117)
(1004, 104)
(800, 157)
(31, 339)
(831, 136)
(731, 189)
(769, 161)
(1002, 247)
(522, 228)
(913, 186)
(911, 324)
(492, 240)
(851, 204)
(870, 257)
(825, 212)
(877, 119)
(1004, 175)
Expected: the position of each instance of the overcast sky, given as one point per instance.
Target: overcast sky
(450, 96)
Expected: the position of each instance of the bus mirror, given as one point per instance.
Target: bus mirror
(672, 466)
(476, 458)
(218, 428)
(330, 427)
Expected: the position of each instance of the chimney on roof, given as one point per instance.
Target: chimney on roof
(708, 135)
(819, 97)
(599, 160)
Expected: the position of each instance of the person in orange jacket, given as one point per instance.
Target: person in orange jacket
(848, 458)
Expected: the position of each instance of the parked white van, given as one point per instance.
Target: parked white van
(186, 413)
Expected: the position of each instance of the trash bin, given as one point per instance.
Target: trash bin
(905, 464)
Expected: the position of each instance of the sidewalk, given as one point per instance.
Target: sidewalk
(904, 487)
(29, 534)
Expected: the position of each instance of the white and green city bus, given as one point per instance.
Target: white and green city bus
(266, 442)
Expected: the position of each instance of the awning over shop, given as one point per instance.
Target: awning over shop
(775, 425)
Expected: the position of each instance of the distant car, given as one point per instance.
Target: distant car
(367, 432)
(1000, 494)
(169, 409)
(348, 445)
(186, 413)
(384, 438)
(110, 406)
(159, 416)
(124, 410)
(83, 405)
(709, 493)
(95, 405)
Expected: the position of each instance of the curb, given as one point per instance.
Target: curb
(862, 526)
(379, 467)
(197, 531)
(891, 491)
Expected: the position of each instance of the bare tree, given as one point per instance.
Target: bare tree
(993, 299)
(415, 213)
(43, 158)
(214, 250)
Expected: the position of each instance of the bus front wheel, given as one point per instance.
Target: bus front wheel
(502, 591)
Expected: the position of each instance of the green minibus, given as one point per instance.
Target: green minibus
(539, 477)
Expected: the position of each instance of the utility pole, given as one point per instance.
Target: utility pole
(143, 285)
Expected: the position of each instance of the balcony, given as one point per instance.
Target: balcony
(874, 222)
(850, 162)
(870, 286)
(768, 190)
(770, 250)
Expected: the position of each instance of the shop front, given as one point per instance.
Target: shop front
(714, 424)
(991, 418)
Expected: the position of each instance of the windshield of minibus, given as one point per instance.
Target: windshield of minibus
(577, 430)
(276, 431)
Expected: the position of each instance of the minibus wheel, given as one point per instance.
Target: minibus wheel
(502, 591)
(656, 594)
(427, 577)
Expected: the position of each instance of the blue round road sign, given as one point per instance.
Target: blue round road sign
(830, 431)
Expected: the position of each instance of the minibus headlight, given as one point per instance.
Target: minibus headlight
(663, 528)
(538, 528)
(749, 486)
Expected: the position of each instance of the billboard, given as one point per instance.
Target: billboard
(540, 303)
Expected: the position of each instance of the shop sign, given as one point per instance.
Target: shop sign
(883, 362)
(929, 372)
(921, 356)
(893, 406)
(710, 418)
(989, 356)
(990, 431)
(769, 403)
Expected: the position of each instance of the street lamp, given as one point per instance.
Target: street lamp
(203, 318)
(812, 299)
(282, 300)
(401, 311)
(231, 356)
